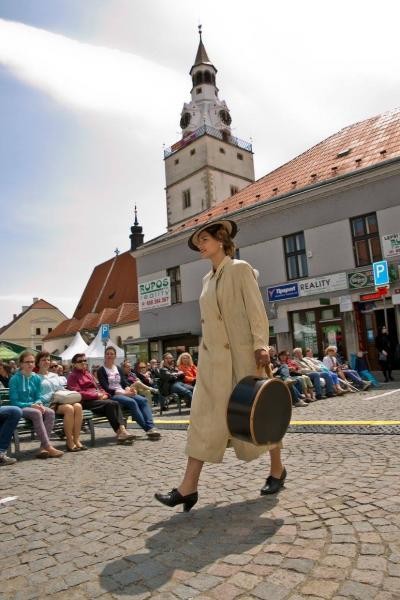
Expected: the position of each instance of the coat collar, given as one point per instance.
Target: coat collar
(221, 266)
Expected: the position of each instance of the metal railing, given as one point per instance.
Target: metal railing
(207, 130)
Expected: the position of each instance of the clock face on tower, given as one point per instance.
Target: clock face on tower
(225, 117)
(185, 120)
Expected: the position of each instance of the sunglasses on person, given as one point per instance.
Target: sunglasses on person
(53, 366)
(81, 360)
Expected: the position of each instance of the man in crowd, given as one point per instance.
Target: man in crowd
(171, 380)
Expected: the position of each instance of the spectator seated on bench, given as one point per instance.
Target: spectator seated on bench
(186, 365)
(331, 361)
(171, 380)
(361, 366)
(72, 413)
(151, 392)
(318, 365)
(95, 399)
(314, 375)
(9, 417)
(281, 370)
(25, 390)
(113, 381)
(5, 374)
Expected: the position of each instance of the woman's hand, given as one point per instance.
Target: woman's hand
(262, 357)
(38, 407)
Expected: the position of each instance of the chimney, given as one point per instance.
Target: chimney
(35, 300)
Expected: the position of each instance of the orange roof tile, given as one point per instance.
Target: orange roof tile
(355, 147)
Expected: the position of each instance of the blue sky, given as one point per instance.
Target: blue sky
(84, 114)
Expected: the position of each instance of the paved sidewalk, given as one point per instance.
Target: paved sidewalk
(86, 525)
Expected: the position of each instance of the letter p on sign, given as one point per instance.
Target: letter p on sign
(381, 273)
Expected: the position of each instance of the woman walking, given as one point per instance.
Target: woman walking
(384, 346)
(25, 389)
(235, 338)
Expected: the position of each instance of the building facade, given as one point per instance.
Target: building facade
(33, 324)
(312, 228)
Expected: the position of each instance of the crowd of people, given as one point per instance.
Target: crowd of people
(41, 388)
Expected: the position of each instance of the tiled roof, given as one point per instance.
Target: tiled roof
(128, 312)
(111, 284)
(357, 146)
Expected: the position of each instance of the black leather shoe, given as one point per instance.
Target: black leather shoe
(273, 484)
(173, 498)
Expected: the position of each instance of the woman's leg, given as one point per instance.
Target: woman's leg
(34, 415)
(133, 407)
(77, 423)
(276, 462)
(146, 412)
(191, 478)
(68, 413)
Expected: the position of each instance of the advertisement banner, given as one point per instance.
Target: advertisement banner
(360, 279)
(391, 245)
(283, 292)
(320, 285)
(155, 293)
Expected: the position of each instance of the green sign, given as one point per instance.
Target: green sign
(360, 279)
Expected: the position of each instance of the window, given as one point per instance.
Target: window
(222, 150)
(49, 329)
(193, 151)
(295, 256)
(366, 244)
(37, 331)
(239, 156)
(176, 292)
(177, 161)
(234, 189)
(38, 347)
(186, 198)
(198, 90)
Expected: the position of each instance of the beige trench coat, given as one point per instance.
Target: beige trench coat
(234, 325)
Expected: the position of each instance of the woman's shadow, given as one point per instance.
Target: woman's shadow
(189, 542)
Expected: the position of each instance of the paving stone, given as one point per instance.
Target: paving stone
(359, 591)
(392, 584)
(269, 591)
(320, 588)
(244, 581)
(365, 576)
(373, 563)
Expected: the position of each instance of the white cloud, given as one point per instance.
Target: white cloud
(83, 75)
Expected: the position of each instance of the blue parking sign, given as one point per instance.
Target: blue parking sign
(381, 273)
(105, 332)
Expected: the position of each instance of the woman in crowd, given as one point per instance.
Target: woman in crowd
(113, 381)
(385, 348)
(186, 365)
(72, 413)
(5, 374)
(234, 344)
(148, 392)
(95, 399)
(281, 370)
(25, 390)
(59, 369)
(318, 365)
(332, 363)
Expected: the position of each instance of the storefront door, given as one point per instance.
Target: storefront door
(318, 328)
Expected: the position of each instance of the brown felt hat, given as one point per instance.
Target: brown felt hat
(227, 224)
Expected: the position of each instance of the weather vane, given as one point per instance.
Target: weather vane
(116, 251)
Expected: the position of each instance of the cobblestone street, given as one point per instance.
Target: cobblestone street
(86, 525)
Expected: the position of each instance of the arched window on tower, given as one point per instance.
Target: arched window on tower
(198, 78)
(207, 77)
(213, 78)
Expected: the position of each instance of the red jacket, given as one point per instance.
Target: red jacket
(190, 373)
(84, 383)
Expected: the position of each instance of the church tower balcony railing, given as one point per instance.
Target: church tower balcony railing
(207, 130)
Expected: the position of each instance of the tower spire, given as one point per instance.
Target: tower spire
(137, 235)
(201, 56)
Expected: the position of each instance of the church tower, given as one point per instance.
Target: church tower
(137, 235)
(208, 164)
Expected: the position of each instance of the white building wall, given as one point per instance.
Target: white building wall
(191, 277)
(389, 220)
(267, 258)
(331, 248)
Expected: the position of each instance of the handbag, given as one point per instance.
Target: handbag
(66, 397)
(382, 356)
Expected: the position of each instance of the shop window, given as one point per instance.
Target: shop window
(186, 199)
(366, 243)
(176, 291)
(305, 330)
(295, 256)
